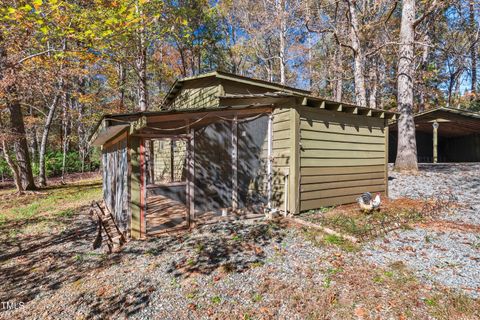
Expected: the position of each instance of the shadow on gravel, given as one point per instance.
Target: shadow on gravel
(125, 303)
(228, 247)
(41, 265)
(46, 262)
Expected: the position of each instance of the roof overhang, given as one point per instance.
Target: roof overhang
(279, 99)
(107, 134)
(221, 75)
(452, 122)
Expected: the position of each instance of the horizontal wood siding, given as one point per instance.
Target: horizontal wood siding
(281, 155)
(342, 156)
(197, 98)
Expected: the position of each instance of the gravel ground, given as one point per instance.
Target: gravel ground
(243, 270)
(249, 270)
(446, 256)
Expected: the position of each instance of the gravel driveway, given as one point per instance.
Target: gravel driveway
(448, 253)
(251, 269)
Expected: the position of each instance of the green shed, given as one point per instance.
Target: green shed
(226, 147)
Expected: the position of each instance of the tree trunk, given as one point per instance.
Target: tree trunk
(142, 77)
(283, 30)
(20, 143)
(338, 74)
(473, 48)
(43, 143)
(34, 145)
(373, 86)
(122, 82)
(65, 133)
(424, 68)
(16, 174)
(309, 47)
(17, 127)
(359, 57)
(142, 67)
(407, 145)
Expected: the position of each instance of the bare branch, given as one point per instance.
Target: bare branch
(36, 55)
(429, 11)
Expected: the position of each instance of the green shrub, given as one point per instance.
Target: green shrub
(73, 163)
(4, 169)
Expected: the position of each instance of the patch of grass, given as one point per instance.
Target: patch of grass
(199, 247)
(85, 256)
(192, 295)
(237, 237)
(388, 274)
(27, 211)
(257, 264)
(475, 245)
(378, 279)
(333, 239)
(453, 305)
(45, 211)
(216, 299)
(320, 239)
(257, 297)
(334, 271)
(191, 262)
(341, 242)
(174, 283)
(350, 220)
(67, 213)
(431, 302)
(428, 239)
(327, 282)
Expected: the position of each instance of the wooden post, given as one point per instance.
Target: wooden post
(435, 141)
(191, 181)
(234, 163)
(136, 187)
(172, 161)
(269, 161)
(386, 130)
(143, 190)
(294, 173)
(286, 188)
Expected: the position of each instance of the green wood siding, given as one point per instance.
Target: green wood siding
(135, 185)
(197, 98)
(281, 155)
(342, 155)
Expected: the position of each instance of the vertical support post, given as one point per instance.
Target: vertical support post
(191, 180)
(435, 141)
(172, 161)
(143, 189)
(294, 190)
(269, 161)
(235, 163)
(386, 156)
(135, 187)
(286, 188)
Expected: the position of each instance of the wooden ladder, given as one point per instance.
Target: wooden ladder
(115, 238)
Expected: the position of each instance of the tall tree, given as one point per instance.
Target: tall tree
(473, 47)
(407, 145)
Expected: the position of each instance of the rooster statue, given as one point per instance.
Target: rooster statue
(367, 203)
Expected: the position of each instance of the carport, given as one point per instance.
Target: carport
(443, 135)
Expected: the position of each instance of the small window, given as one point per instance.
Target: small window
(169, 161)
